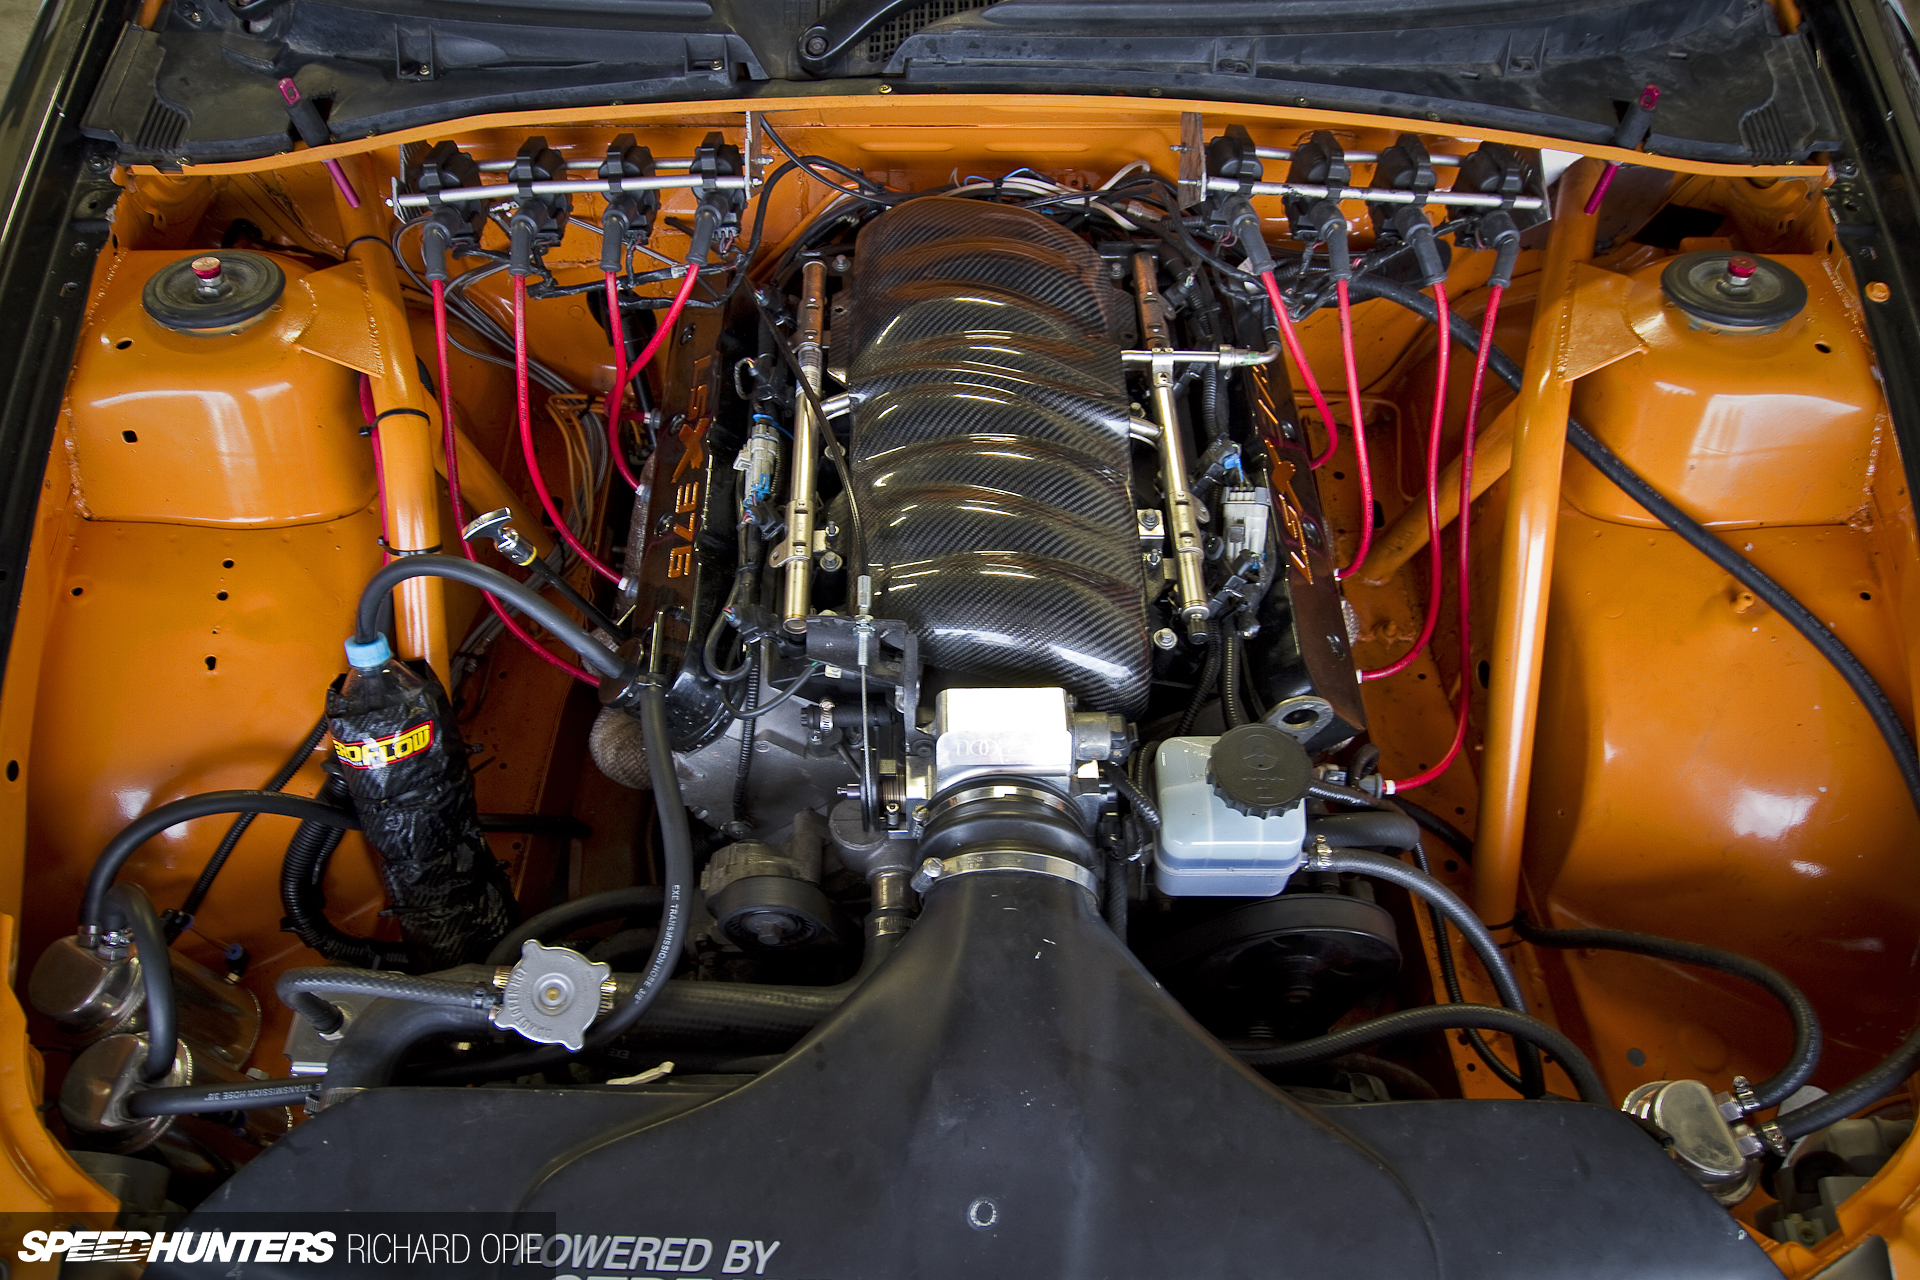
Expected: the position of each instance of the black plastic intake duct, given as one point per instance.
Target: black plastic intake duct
(1011, 1095)
(991, 452)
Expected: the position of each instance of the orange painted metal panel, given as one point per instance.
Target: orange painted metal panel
(1764, 429)
(242, 429)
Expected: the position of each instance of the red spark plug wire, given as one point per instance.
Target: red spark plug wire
(450, 439)
(1464, 556)
(1292, 341)
(526, 433)
(622, 372)
(1358, 419)
(1438, 560)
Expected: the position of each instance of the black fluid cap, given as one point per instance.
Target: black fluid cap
(213, 292)
(1743, 292)
(1259, 770)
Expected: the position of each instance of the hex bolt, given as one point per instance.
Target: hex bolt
(1165, 638)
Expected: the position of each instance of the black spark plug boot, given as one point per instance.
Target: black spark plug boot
(1243, 224)
(1331, 226)
(1410, 224)
(1499, 232)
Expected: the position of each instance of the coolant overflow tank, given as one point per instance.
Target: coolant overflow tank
(1233, 818)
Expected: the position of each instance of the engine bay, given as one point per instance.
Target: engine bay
(924, 664)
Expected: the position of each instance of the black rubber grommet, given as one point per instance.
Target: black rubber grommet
(1722, 289)
(246, 285)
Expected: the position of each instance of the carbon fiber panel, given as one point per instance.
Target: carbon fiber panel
(990, 450)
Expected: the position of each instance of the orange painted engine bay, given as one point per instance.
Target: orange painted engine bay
(781, 520)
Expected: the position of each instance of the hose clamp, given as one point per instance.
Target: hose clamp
(934, 870)
(1045, 797)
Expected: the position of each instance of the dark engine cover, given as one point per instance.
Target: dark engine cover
(990, 450)
(1011, 1095)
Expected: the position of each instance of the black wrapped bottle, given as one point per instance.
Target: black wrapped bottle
(405, 767)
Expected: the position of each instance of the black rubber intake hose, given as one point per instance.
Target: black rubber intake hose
(594, 908)
(598, 658)
(150, 824)
(206, 1099)
(1420, 884)
(1437, 1017)
(303, 894)
(1374, 829)
(305, 991)
(1805, 1056)
(129, 908)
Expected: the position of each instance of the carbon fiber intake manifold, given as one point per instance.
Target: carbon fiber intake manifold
(991, 452)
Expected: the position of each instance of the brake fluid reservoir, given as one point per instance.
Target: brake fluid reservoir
(1233, 821)
(1753, 403)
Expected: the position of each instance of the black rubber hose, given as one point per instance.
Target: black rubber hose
(691, 1010)
(381, 1037)
(278, 782)
(599, 659)
(1862, 1090)
(1450, 979)
(558, 921)
(129, 908)
(1434, 824)
(1531, 1082)
(1375, 829)
(210, 804)
(1334, 793)
(1391, 828)
(1136, 797)
(1209, 672)
(676, 856)
(1437, 1017)
(305, 991)
(1805, 1056)
(1233, 658)
(205, 1099)
(303, 895)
